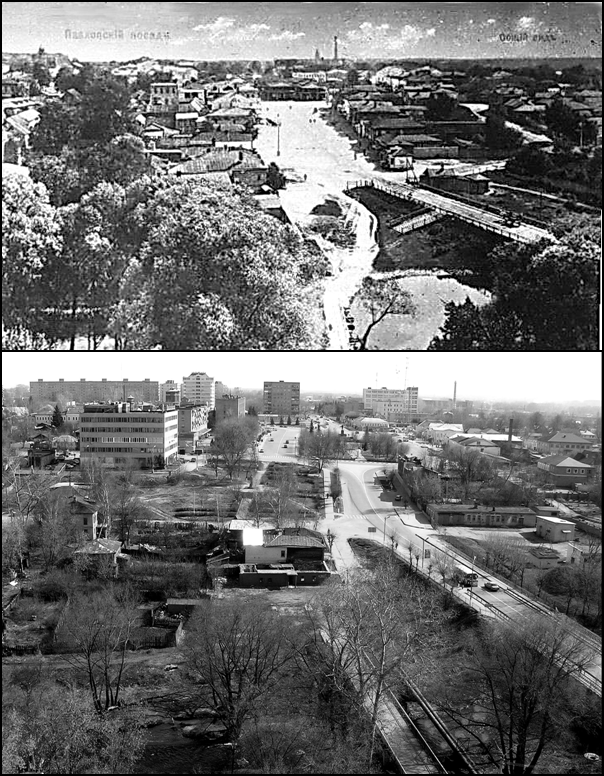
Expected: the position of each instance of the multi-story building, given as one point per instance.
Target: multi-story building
(81, 391)
(120, 434)
(563, 442)
(281, 398)
(391, 404)
(170, 386)
(192, 423)
(199, 388)
(229, 407)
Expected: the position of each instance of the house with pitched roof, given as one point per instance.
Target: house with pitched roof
(565, 471)
(564, 442)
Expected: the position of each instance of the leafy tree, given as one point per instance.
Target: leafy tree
(59, 126)
(529, 161)
(215, 273)
(104, 110)
(378, 299)
(440, 107)
(546, 297)
(275, 178)
(41, 74)
(498, 136)
(289, 420)
(30, 237)
(562, 120)
(252, 411)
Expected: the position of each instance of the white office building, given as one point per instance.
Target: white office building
(391, 403)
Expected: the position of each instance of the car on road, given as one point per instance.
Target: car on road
(260, 450)
(492, 586)
(398, 497)
(285, 445)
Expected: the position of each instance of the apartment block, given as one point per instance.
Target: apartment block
(199, 388)
(119, 434)
(81, 391)
(281, 398)
(229, 407)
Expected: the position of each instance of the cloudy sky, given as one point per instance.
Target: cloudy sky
(241, 30)
(542, 377)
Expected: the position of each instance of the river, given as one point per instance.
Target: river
(326, 162)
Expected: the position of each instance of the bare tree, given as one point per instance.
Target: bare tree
(470, 465)
(321, 449)
(378, 299)
(512, 692)
(95, 631)
(233, 442)
(237, 651)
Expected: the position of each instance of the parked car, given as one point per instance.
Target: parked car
(398, 497)
(492, 586)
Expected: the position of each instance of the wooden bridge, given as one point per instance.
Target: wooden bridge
(491, 219)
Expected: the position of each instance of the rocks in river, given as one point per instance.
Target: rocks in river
(204, 732)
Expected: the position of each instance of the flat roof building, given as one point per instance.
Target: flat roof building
(83, 390)
(119, 434)
(281, 398)
(199, 388)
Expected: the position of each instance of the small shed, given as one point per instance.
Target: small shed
(555, 529)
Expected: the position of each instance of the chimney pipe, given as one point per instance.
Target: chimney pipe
(455, 395)
(511, 429)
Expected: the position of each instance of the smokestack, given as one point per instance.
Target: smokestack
(455, 394)
(335, 48)
(511, 429)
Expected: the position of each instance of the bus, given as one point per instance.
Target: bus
(465, 576)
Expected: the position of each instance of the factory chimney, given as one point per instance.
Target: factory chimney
(335, 48)
(455, 395)
(511, 429)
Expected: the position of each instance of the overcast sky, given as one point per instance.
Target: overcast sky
(263, 31)
(531, 377)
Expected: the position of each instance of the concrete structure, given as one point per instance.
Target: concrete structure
(392, 404)
(281, 398)
(370, 424)
(544, 557)
(199, 388)
(83, 390)
(170, 386)
(554, 529)
(229, 407)
(120, 434)
(563, 470)
(286, 548)
(192, 425)
(41, 453)
(100, 553)
(565, 443)
(439, 433)
(495, 517)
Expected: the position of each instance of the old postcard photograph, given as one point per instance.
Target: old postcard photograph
(301, 176)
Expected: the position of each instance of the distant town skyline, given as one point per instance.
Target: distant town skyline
(513, 377)
(263, 31)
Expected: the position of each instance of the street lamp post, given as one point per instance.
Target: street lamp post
(278, 136)
(387, 517)
(472, 578)
(423, 548)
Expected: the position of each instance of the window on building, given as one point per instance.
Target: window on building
(85, 521)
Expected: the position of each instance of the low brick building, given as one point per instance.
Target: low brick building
(493, 517)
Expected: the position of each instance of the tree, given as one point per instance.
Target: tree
(312, 427)
(275, 178)
(234, 440)
(57, 418)
(546, 297)
(470, 465)
(53, 729)
(321, 449)
(498, 135)
(440, 107)
(30, 237)
(41, 74)
(279, 497)
(58, 127)
(237, 651)
(253, 270)
(289, 420)
(378, 299)
(95, 631)
(517, 684)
